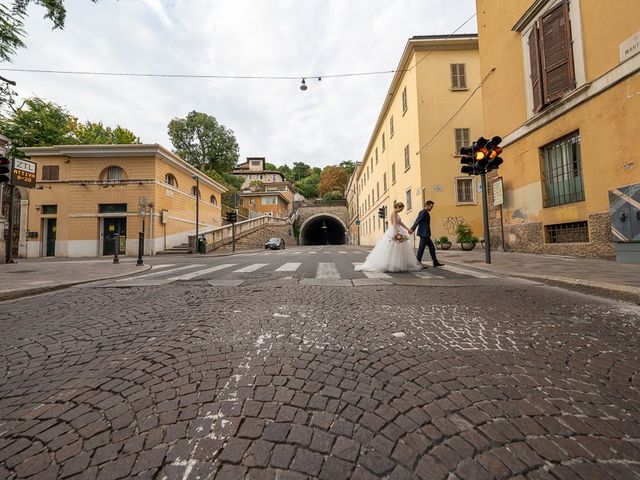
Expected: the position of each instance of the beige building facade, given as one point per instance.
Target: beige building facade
(430, 111)
(563, 91)
(89, 193)
(351, 195)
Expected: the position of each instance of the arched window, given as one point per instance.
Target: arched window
(113, 173)
(170, 180)
(214, 200)
(195, 192)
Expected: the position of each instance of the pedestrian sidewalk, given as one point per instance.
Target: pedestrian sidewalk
(605, 277)
(33, 276)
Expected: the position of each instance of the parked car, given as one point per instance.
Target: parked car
(274, 244)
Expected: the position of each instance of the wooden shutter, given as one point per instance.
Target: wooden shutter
(462, 75)
(536, 74)
(557, 60)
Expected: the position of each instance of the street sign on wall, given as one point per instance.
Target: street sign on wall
(23, 173)
(498, 192)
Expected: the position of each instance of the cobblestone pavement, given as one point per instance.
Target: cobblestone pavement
(188, 381)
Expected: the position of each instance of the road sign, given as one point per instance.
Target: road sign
(498, 192)
(23, 173)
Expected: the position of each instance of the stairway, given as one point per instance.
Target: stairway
(182, 249)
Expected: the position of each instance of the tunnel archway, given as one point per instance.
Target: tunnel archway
(313, 233)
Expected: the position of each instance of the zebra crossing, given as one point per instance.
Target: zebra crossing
(320, 273)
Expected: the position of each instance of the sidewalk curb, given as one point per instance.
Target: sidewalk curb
(607, 290)
(29, 292)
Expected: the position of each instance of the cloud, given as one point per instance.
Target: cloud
(330, 122)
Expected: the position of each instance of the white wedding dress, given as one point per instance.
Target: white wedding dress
(390, 256)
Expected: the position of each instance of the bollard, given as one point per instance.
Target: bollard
(140, 248)
(116, 245)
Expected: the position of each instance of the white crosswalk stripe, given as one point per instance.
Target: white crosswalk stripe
(289, 267)
(358, 268)
(251, 268)
(163, 272)
(464, 271)
(327, 270)
(198, 273)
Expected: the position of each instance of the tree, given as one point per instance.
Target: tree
(348, 166)
(300, 170)
(91, 133)
(286, 171)
(12, 22)
(308, 186)
(270, 166)
(39, 124)
(201, 141)
(333, 179)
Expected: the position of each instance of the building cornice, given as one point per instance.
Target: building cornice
(529, 15)
(129, 150)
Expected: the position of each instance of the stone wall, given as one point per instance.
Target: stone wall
(257, 238)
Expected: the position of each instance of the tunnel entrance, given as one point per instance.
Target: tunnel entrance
(322, 230)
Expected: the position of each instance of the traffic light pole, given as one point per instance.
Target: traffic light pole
(485, 219)
(233, 237)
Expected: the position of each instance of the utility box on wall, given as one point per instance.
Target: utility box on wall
(624, 207)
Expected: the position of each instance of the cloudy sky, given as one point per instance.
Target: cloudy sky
(330, 122)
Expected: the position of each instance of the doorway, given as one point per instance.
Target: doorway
(111, 227)
(51, 229)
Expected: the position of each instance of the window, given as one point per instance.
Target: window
(384, 182)
(393, 173)
(408, 205)
(405, 106)
(255, 162)
(195, 191)
(462, 139)
(573, 232)
(269, 200)
(170, 180)
(458, 76)
(464, 190)
(407, 160)
(552, 72)
(51, 172)
(383, 143)
(114, 174)
(112, 208)
(49, 209)
(376, 156)
(562, 171)
(377, 189)
(213, 199)
(391, 127)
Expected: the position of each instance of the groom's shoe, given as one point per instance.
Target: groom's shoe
(438, 264)
(424, 267)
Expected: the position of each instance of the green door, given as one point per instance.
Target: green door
(51, 237)
(113, 226)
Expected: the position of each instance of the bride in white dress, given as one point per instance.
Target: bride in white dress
(390, 255)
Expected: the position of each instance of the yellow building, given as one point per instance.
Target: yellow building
(563, 91)
(351, 195)
(88, 193)
(412, 155)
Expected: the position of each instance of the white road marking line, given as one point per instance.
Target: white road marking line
(426, 275)
(251, 268)
(189, 276)
(343, 251)
(289, 267)
(464, 271)
(327, 270)
(163, 265)
(358, 268)
(163, 272)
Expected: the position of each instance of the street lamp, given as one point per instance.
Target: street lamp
(197, 194)
(324, 229)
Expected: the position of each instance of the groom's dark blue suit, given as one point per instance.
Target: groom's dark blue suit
(423, 222)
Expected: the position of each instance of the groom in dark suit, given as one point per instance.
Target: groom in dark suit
(423, 222)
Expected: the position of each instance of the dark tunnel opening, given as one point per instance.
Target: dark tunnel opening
(323, 230)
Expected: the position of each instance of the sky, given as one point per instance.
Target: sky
(328, 123)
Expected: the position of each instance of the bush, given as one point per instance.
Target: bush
(443, 239)
(465, 234)
(333, 196)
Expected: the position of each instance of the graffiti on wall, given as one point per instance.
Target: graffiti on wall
(450, 224)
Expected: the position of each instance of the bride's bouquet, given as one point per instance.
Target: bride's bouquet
(399, 238)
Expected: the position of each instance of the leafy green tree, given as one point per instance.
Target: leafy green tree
(348, 166)
(12, 22)
(39, 124)
(300, 170)
(204, 143)
(270, 166)
(308, 186)
(95, 133)
(286, 171)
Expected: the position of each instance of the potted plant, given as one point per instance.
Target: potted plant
(465, 237)
(444, 243)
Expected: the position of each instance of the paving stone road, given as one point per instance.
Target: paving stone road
(189, 381)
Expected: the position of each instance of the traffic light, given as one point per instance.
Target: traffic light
(232, 216)
(494, 154)
(5, 170)
(467, 160)
(382, 212)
